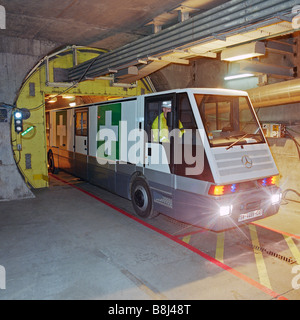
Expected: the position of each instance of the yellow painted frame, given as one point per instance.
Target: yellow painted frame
(35, 143)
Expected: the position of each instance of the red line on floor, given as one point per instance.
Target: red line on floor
(190, 233)
(184, 244)
(277, 231)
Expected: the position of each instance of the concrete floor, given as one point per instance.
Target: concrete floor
(64, 244)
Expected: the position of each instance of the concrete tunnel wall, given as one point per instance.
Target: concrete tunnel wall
(17, 57)
(12, 184)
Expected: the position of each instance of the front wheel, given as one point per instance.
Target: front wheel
(142, 199)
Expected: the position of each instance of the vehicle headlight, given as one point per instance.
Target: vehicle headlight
(275, 198)
(225, 210)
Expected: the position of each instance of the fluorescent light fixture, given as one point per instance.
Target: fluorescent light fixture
(54, 100)
(246, 51)
(239, 76)
(241, 57)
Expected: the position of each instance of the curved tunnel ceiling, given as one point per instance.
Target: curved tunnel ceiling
(105, 24)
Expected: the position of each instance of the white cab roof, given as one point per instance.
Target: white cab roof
(213, 91)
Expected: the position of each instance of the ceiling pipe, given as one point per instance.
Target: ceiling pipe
(280, 93)
(229, 17)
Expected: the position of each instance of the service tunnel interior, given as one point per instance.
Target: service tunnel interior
(69, 55)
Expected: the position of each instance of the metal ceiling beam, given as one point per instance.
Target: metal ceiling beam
(275, 71)
(145, 70)
(232, 15)
(280, 47)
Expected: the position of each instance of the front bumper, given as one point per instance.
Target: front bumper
(234, 210)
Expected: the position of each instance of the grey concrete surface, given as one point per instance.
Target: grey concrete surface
(12, 185)
(63, 244)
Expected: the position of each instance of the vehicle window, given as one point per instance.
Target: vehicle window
(228, 119)
(81, 123)
(156, 111)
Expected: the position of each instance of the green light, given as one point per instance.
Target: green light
(27, 130)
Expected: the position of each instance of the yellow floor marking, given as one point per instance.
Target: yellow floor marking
(295, 251)
(260, 263)
(186, 239)
(220, 247)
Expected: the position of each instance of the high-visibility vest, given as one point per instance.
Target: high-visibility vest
(163, 129)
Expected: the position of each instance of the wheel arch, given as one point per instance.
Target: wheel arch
(132, 178)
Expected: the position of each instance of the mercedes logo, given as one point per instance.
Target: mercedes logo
(247, 162)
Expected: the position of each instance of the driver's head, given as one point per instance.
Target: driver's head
(166, 107)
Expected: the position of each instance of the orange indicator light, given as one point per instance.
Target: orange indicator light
(216, 190)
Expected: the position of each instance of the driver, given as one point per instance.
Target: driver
(160, 123)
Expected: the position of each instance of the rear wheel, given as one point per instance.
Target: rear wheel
(141, 199)
(51, 164)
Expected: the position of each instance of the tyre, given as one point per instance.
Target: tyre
(51, 164)
(141, 199)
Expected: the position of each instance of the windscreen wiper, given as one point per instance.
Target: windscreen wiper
(238, 140)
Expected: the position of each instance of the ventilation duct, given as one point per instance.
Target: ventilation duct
(280, 93)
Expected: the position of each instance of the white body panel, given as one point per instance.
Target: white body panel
(157, 160)
(93, 130)
(81, 145)
(52, 133)
(129, 141)
(228, 167)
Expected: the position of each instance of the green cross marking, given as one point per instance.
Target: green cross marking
(109, 117)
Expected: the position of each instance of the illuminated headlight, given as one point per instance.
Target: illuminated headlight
(225, 210)
(275, 198)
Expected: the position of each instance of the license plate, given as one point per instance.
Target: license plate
(250, 215)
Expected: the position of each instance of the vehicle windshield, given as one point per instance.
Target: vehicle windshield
(228, 120)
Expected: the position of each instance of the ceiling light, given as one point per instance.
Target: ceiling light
(239, 76)
(242, 52)
(72, 104)
(52, 100)
(69, 97)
